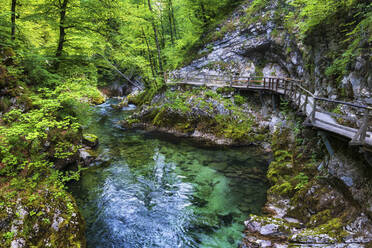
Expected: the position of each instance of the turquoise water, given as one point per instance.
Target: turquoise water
(153, 190)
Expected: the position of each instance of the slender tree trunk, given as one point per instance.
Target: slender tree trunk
(203, 12)
(163, 32)
(170, 21)
(149, 54)
(172, 18)
(13, 18)
(62, 29)
(156, 38)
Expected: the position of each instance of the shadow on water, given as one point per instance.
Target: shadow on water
(160, 191)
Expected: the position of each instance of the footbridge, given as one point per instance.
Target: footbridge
(356, 127)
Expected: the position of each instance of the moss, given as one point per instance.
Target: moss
(90, 137)
(225, 90)
(193, 109)
(36, 216)
(334, 228)
(98, 99)
(4, 104)
(239, 100)
(159, 119)
(320, 218)
(283, 189)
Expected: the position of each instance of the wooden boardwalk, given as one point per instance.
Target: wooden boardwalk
(358, 129)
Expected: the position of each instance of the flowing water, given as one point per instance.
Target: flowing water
(158, 191)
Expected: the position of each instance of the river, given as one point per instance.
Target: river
(154, 190)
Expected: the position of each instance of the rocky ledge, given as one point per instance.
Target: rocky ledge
(47, 218)
(218, 116)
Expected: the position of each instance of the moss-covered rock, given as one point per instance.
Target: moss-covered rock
(90, 140)
(204, 113)
(46, 217)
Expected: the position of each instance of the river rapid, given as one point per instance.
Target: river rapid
(155, 190)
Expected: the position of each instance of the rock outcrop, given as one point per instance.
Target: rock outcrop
(47, 218)
(265, 47)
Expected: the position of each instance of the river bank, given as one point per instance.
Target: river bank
(313, 198)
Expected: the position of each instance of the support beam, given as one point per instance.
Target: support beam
(326, 142)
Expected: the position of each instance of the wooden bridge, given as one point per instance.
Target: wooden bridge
(357, 128)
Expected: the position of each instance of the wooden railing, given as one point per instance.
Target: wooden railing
(358, 128)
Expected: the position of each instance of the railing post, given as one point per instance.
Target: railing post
(249, 80)
(305, 104)
(292, 90)
(285, 86)
(264, 81)
(312, 119)
(365, 126)
(277, 84)
(360, 136)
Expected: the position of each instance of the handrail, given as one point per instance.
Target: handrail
(343, 103)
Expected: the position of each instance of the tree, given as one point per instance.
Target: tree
(62, 28)
(13, 18)
(156, 37)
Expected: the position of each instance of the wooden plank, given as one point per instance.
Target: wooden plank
(344, 103)
(339, 126)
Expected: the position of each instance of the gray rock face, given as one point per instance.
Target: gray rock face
(240, 52)
(250, 51)
(86, 156)
(354, 174)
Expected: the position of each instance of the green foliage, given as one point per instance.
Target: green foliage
(302, 179)
(351, 19)
(8, 235)
(239, 100)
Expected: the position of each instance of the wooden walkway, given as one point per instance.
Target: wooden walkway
(358, 129)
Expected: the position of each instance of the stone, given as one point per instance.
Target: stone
(57, 220)
(269, 229)
(360, 63)
(18, 243)
(86, 156)
(90, 140)
(264, 243)
(347, 180)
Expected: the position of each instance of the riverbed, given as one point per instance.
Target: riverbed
(155, 190)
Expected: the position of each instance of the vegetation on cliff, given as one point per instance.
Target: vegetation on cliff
(344, 26)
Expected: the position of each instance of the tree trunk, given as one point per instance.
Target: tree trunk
(156, 38)
(62, 29)
(13, 18)
(204, 16)
(170, 20)
(149, 52)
